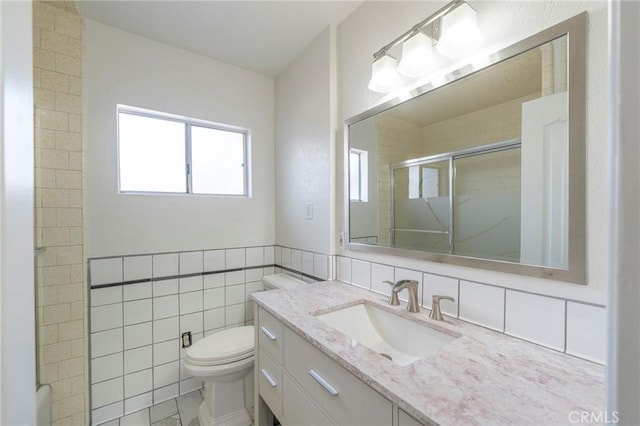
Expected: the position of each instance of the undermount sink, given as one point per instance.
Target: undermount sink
(396, 338)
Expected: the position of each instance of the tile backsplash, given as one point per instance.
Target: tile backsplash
(140, 305)
(576, 328)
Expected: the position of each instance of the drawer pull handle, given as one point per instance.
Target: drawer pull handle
(268, 333)
(323, 383)
(268, 378)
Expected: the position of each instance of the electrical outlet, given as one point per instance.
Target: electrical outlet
(309, 210)
(186, 339)
(341, 238)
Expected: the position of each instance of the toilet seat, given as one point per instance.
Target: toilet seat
(223, 347)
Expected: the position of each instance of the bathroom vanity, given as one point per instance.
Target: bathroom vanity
(308, 372)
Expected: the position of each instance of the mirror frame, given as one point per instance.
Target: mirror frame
(576, 31)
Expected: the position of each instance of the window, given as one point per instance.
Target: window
(359, 176)
(161, 153)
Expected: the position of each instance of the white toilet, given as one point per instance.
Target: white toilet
(224, 361)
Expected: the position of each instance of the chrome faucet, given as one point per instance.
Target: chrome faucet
(412, 288)
(436, 313)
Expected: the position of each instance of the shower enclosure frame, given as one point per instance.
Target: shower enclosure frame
(450, 157)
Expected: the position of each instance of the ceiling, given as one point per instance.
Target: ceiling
(508, 80)
(262, 36)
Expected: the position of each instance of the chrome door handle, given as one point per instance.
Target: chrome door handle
(268, 333)
(323, 383)
(268, 378)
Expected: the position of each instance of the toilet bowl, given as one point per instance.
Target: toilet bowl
(224, 361)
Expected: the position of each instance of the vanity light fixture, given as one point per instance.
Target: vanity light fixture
(453, 29)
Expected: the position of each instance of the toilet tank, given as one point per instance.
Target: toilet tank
(281, 281)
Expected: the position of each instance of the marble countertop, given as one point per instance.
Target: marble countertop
(483, 377)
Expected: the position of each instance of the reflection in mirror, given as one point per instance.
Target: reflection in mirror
(478, 168)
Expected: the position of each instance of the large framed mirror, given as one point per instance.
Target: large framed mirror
(485, 170)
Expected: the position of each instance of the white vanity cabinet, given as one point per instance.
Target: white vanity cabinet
(303, 386)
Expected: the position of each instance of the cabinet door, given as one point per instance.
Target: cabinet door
(297, 409)
(270, 382)
(349, 400)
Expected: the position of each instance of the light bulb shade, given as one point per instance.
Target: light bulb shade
(460, 32)
(384, 74)
(417, 52)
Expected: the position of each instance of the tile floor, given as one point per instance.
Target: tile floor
(181, 411)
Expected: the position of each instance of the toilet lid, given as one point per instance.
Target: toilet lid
(223, 347)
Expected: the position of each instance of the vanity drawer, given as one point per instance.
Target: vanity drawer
(270, 333)
(349, 400)
(270, 382)
(297, 409)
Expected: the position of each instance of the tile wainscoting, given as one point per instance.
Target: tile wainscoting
(140, 306)
(568, 326)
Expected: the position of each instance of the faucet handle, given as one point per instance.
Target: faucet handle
(394, 295)
(436, 314)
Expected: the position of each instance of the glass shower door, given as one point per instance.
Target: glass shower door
(486, 214)
(421, 206)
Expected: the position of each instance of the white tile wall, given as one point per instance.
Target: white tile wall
(108, 412)
(379, 274)
(106, 342)
(307, 263)
(107, 392)
(134, 406)
(436, 285)
(106, 296)
(165, 306)
(137, 311)
(105, 271)
(344, 269)
(190, 284)
(137, 335)
(361, 273)
(165, 287)
(482, 304)
(587, 331)
(137, 291)
(504, 310)
(320, 266)
(138, 359)
(254, 256)
(191, 262)
(135, 328)
(106, 317)
(296, 259)
(137, 267)
(137, 383)
(214, 260)
(235, 258)
(213, 280)
(106, 367)
(164, 265)
(549, 313)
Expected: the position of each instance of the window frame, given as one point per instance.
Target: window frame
(363, 175)
(188, 124)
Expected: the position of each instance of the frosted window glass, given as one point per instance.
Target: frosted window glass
(217, 160)
(152, 154)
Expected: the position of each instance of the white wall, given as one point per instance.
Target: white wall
(303, 149)
(122, 68)
(17, 348)
(374, 24)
